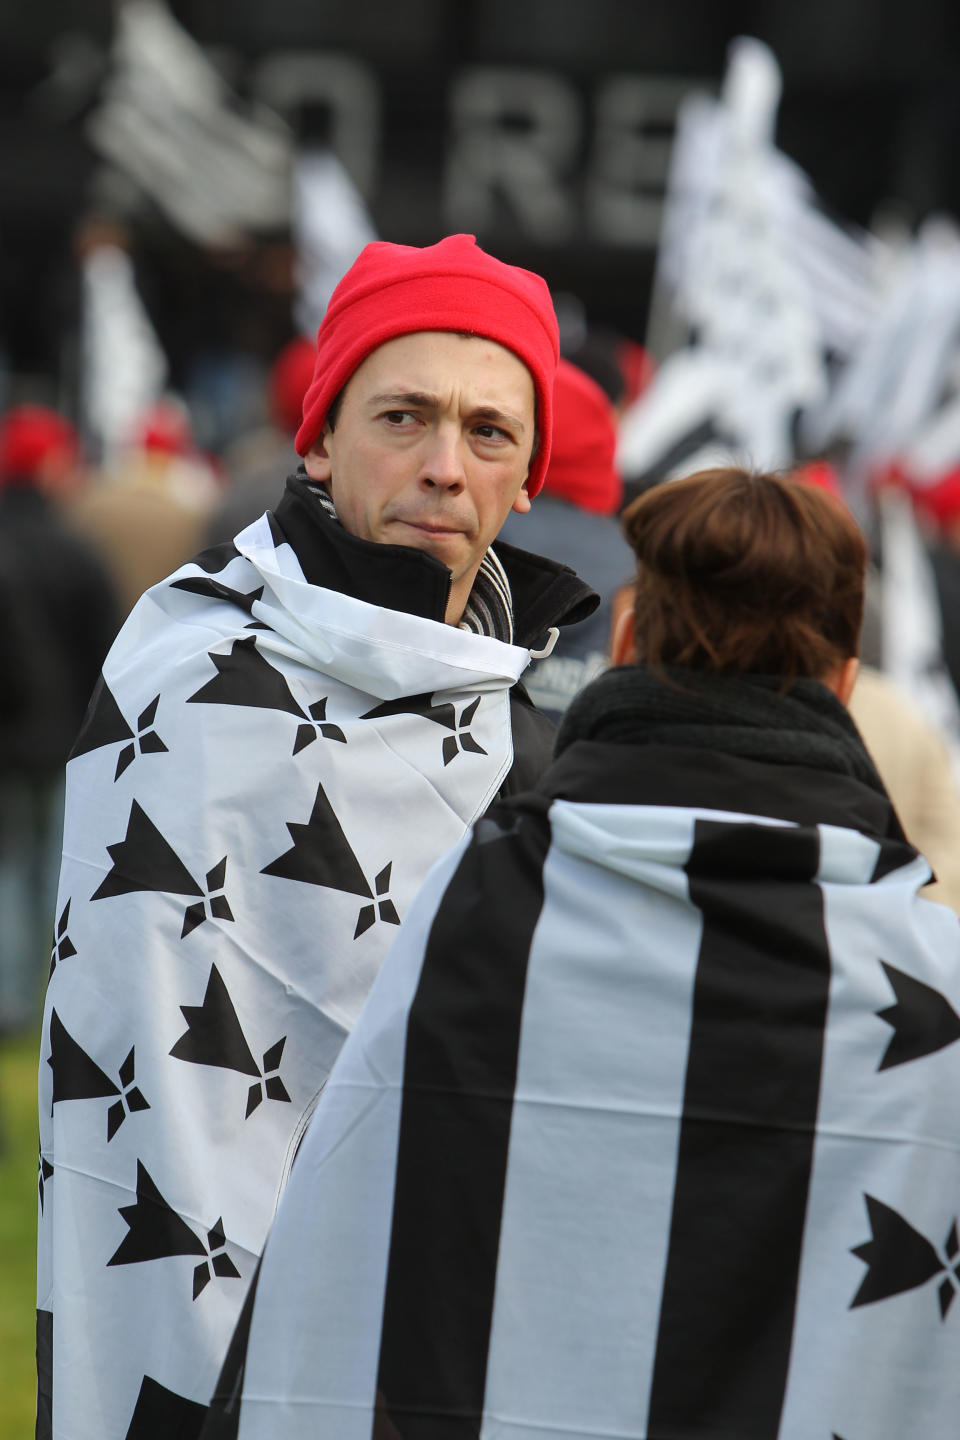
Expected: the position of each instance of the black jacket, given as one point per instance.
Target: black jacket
(398, 577)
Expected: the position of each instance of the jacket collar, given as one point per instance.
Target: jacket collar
(397, 577)
(720, 743)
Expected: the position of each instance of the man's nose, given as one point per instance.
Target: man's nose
(443, 460)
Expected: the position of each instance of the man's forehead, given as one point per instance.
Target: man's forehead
(450, 354)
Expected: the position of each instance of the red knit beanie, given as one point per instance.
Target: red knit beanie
(393, 290)
(582, 468)
(29, 435)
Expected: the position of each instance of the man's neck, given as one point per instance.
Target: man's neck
(459, 595)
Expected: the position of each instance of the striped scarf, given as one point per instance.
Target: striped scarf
(489, 608)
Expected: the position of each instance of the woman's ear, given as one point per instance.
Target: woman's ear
(842, 678)
(623, 646)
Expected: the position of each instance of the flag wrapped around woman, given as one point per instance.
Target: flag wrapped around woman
(649, 1127)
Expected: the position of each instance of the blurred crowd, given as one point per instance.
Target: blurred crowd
(781, 339)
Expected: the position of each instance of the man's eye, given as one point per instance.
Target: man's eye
(492, 432)
(398, 417)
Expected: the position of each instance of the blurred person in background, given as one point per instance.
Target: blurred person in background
(575, 522)
(255, 462)
(910, 753)
(148, 512)
(597, 355)
(649, 1126)
(60, 616)
(621, 367)
(288, 732)
(915, 766)
(939, 507)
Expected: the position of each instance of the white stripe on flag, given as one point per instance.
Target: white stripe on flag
(881, 1368)
(579, 1211)
(324, 1267)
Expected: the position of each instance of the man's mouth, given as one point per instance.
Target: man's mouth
(432, 527)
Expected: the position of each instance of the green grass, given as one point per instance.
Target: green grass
(18, 1224)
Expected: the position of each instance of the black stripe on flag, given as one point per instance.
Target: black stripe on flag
(44, 1375)
(893, 855)
(223, 1417)
(747, 1134)
(463, 1037)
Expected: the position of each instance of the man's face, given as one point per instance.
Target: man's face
(431, 449)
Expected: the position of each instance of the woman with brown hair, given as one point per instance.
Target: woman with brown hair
(742, 575)
(649, 1127)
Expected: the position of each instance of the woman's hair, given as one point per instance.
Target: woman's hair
(739, 573)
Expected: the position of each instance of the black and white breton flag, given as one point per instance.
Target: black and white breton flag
(219, 167)
(267, 772)
(649, 1128)
(755, 285)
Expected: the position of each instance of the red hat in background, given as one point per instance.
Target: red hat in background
(941, 500)
(582, 465)
(822, 475)
(393, 290)
(288, 382)
(638, 368)
(164, 428)
(31, 435)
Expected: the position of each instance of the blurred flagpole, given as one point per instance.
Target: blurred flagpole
(123, 365)
(330, 226)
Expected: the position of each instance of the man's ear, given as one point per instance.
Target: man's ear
(317, 461)
(623, 645)
(522, 502)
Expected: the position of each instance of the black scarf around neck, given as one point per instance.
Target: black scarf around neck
(489, 607)
(736, 715)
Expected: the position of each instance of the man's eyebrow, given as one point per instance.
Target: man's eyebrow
(419, 399)
(398, 399)
(499, 417)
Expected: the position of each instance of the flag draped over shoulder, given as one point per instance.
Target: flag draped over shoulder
(267, 771)
(648, 1129)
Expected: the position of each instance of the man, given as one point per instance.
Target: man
(288, 733)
